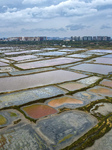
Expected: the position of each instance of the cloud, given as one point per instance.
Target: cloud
(66, 8)
(72, 15)
(42, 2)
(106, 27)
(43, 30)
(76, 27)
(33, 1)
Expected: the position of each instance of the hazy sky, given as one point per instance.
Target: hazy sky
(55, 18)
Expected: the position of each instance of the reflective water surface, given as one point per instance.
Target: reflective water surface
(64, 100)
(46, 63)
(38, 110)
(95, 68)
(36, 80)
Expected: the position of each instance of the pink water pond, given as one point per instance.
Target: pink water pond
(38, 110)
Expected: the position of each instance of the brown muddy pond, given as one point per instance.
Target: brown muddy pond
(46, 63)
(95, 68)
(71, 86)
(107, 83)
(37, 80)
(64, 100)
(38, 110)
(101, 90)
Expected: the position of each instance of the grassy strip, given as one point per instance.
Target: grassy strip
(65, 138)
(89, 106)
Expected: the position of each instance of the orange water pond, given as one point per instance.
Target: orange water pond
(64, 100)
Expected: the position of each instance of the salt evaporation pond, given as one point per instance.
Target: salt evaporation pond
(109, 55)
(71, 86)
(100, 51)
(36, 80)
(107, 83)
(49, 49)
(52, 53)
(102, 60)
(95, 68)
(20, 58)
(101, 90)
(25, 96)
(36, 111)
(63, 129)
(21, 52)
(64, 100)
(79, 55)
(3, 64)
(46, 63)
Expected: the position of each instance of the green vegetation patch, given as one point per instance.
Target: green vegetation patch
(3, 120)
(12, 114)
(65, 138)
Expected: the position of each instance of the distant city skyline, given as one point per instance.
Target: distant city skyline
(55, 18)
(72, 38)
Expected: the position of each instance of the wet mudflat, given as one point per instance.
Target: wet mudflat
(104, 143)
(26, 96)
(7, 69)
(102, 108)
(64, 128)
(48, 98)
(21, 137)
